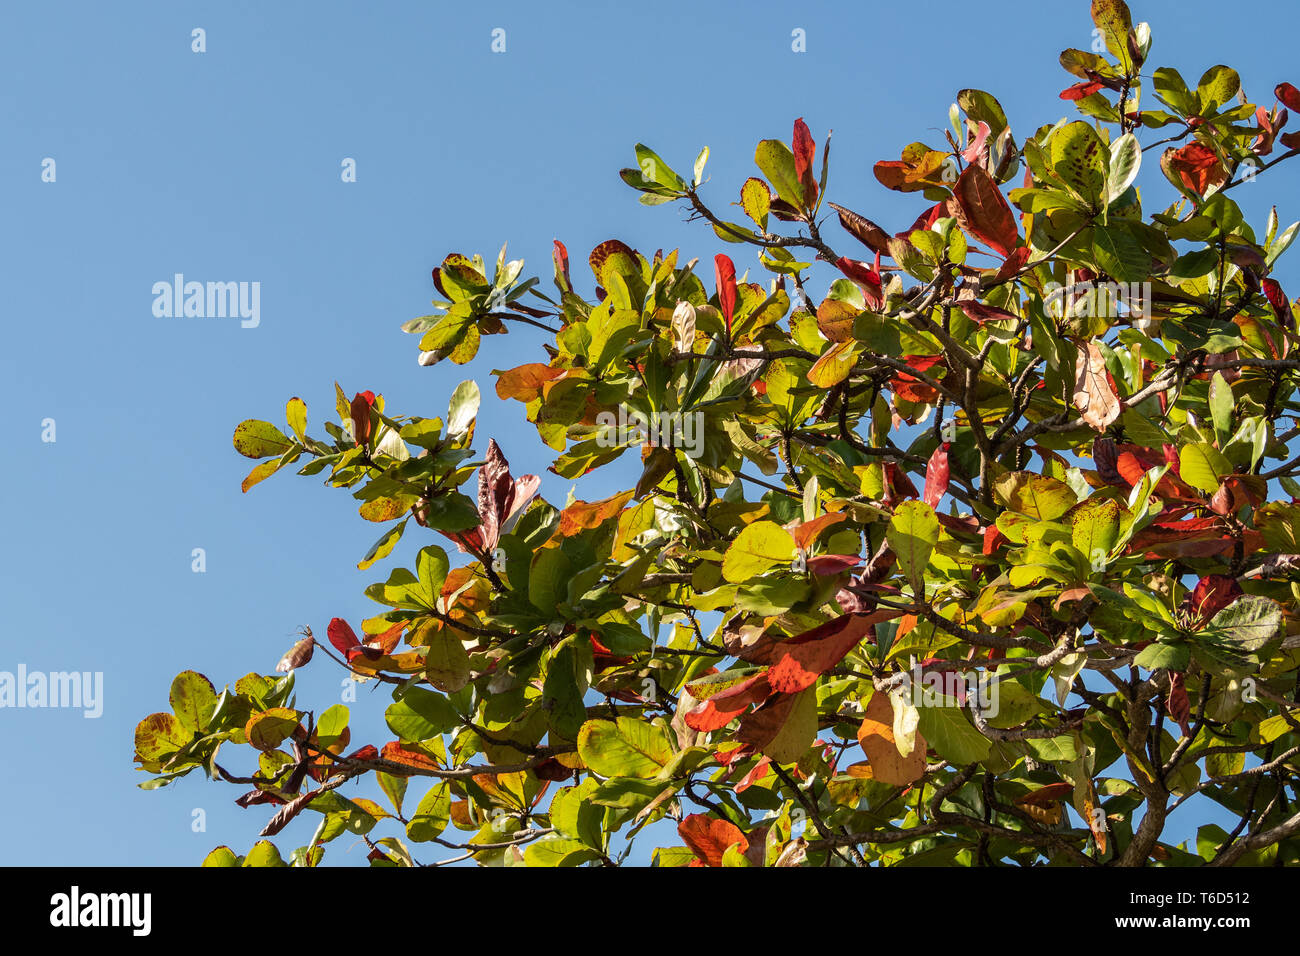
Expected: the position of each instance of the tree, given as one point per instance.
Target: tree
(1089, 603)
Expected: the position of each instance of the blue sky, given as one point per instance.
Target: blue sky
(225, 166)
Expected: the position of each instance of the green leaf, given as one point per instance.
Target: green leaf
(1271, 728)
(756, 200)
(1119, 253)
(268, 729)
(562, 693)
(1221, 406)
(1246, 626)
(264, 853)
(700, 160)
(1125, 160)
(432, 815)
(258, 439)
(654, 169)
(624, 748)
(913, 532)
(1113, 19)
(548, 579)
(1053, 749)
(1201, 465)
(420, 714)
(757, 548)
(222, 856)
(558, 851)
(384, 546)
(1217, 87)
(1157, 655)
(447, 665)
(462, 409)
(948, 731)
(431, 566)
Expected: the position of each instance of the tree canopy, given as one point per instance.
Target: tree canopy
(989, 555)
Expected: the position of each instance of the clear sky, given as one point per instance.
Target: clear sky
(225, 166)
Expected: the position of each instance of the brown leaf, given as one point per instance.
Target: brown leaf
(1093, 394)
(863, 230)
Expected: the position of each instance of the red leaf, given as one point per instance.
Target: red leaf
(1289, 95)
(288, 812)
(973, 152)
(983, 211)
(499, 497)
(1277, 299)
(1211, 595)
(936, 476)
(393, 751)
(865, 278)
(341, 635)
(1045, 795)
(1196, 166)
(1080, 90)
(833, 563)
(708, 837)
(897, 485)
(798, 662)
(1018, 259)
(755, 775)
(724, 271)
(804, 151)
(362, 402)
(1178, 706)
(724, 707)
(560, 256)
(979, 312)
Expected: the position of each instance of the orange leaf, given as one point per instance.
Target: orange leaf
(394, 752)
(798, 662)
(876, 735)
(525, 382)
(708, 837)
(583, 515)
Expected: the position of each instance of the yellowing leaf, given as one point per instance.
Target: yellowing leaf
(835, 364)
(757, 548)
(258, 439)
(1201, 465)
(1034, 496)
(624, 748)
